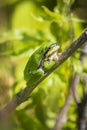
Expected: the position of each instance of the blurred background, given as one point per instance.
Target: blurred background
(24, 26)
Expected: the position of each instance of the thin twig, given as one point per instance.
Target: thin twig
(61, 117)
(82, 105)
(82, 114)
(25, 93)
(62, 114)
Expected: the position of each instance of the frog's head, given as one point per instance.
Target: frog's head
(52, 48)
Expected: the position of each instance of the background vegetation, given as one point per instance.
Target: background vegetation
(24, 26)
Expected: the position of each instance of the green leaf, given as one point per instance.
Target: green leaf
(54, 28)
(28, 122)
(49, 15)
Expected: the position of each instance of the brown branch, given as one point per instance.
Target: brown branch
(25, 93)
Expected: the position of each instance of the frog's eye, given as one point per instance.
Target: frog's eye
(49, 48)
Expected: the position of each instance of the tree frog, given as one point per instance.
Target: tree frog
(40, 62)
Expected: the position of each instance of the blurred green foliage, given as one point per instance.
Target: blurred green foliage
(25, 25)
